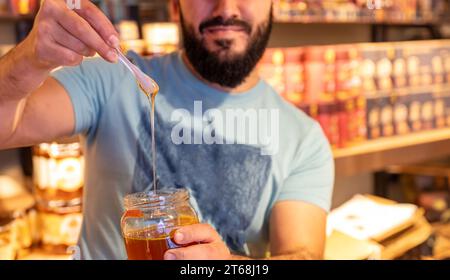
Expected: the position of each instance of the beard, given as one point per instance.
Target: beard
(229, 71)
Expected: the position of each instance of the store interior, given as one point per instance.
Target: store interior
(374, 74)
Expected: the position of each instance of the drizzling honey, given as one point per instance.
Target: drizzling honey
(151, 101)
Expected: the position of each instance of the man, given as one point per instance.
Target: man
(254, 197)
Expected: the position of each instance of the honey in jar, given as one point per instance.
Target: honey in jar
(60, 225)
(58, 170)
(150, 221)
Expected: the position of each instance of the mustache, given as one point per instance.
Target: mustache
(220, 21)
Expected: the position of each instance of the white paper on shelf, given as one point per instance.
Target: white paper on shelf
(362, 218)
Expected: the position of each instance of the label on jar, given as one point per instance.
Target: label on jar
(65, 174)
(60, 229)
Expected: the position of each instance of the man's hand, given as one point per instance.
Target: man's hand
(209, 244)
(62, 37)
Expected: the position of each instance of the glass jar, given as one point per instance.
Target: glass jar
(149, 222)
(26, 231)
(7, 239)
(60, 225)
(58, 171)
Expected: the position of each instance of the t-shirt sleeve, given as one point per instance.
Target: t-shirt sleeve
(312, 175)
(89, 86)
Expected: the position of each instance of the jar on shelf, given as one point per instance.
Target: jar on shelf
(58, 170)
(150, 220)
(17, 220)
(7, 239)
(60, 224)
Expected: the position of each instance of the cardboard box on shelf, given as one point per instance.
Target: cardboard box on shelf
(370, 227)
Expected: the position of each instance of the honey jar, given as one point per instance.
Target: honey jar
(60, 225)
(58, 171)
(150, 220)
(7, 240)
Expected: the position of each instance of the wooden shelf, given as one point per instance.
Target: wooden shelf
(375, 155)
(361, 21)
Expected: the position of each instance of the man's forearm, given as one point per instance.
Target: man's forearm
(19, 77)
(297, 255)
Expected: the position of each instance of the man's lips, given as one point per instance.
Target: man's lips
(216, 29)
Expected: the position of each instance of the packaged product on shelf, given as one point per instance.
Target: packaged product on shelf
(161, 37)
(439, 112)
(320, 82)
(329, 85)
(437, 64)
(387, 117)
(401, 124)
(343, 73)
(314, 74)
(446, 99)
(294, 75)
(60, 225)
(271, 69)
(399, 68)
(425, 68)
(413, 66)
(384, 67)
(373, 118)
(328, 118)
(128, 30)
(355, 85)
(346, 123)
(360, 119)
(427, 113)
(446, 59)
(415, 110)
(369, 57)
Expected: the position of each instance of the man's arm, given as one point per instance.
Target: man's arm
(297, 232)
(33, 107)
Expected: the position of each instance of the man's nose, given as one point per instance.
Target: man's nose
(227, 9)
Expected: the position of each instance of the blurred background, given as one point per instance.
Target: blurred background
(374, 73)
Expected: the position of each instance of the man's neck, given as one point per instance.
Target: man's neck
(250, 82)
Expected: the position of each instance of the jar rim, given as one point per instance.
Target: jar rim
(163, 197)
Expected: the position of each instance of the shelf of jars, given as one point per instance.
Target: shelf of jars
(378, 103)
(401, 12)
(44, 223)
(375, 155)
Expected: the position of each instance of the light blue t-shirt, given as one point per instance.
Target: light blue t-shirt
(234, 180)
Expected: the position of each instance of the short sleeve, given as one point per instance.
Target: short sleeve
(312, 175)
(89, 86)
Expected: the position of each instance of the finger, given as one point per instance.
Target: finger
(98, 20)
(212, 251)
(81, 29)
(65, 39)
(202, 233)
(59, 55)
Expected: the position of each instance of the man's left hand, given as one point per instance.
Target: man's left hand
(208, 244)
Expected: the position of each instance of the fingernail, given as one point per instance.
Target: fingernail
(170, 257)
(114, 41)
(112, 56)
(178, 236)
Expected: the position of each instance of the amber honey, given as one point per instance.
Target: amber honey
(140, 247)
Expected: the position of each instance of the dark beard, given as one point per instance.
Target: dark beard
(229, 72)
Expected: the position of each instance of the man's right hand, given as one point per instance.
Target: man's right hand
(62, 37)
